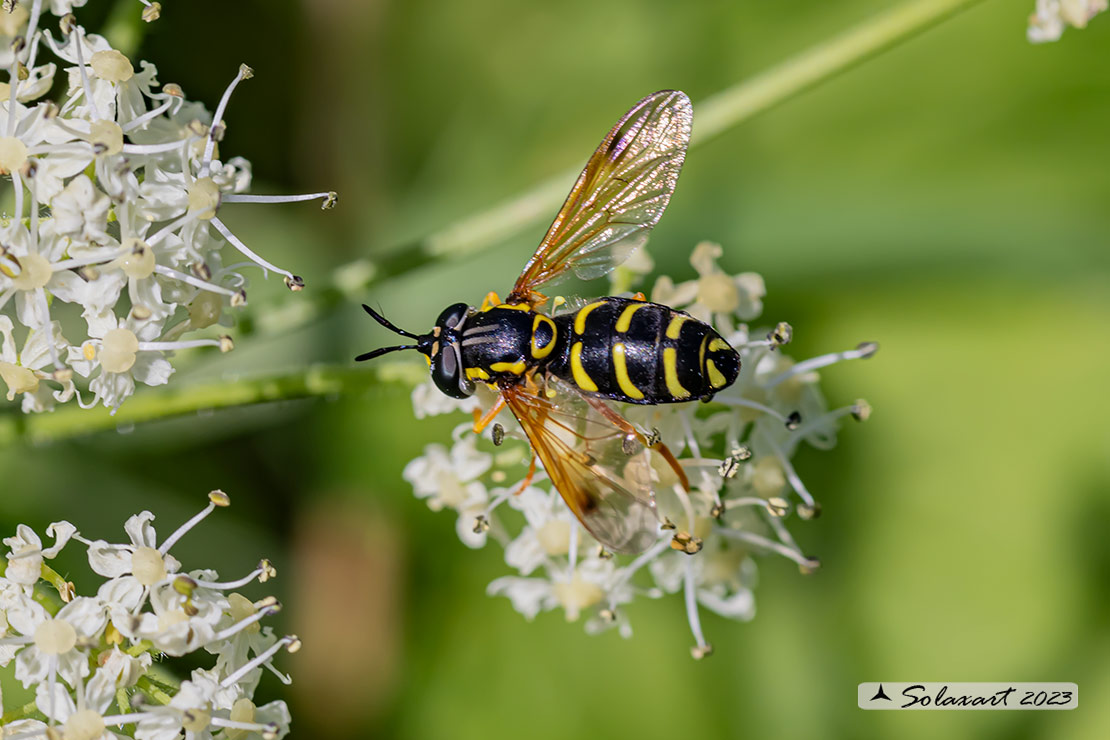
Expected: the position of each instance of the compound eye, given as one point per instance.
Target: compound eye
(447, 373)
(453, 316)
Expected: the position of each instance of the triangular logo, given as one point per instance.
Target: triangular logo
(880, 694)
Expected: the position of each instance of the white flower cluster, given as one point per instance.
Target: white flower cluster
(115, 210)
(1052, 16)
(736, 451)
(97, 663)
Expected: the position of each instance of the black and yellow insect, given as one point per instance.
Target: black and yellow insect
(556, 373)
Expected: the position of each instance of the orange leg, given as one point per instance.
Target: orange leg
(640, 297)
(481, 421)
(624, 425)
(528, 478)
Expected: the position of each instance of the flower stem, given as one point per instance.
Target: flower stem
(713, 116)
(70, 421)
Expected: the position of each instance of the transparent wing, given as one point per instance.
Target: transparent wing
(618, 198)
(595, 458)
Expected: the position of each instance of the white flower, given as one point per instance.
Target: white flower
(427, 400)
(547, 533)
(715, 295)
(23, 371)
(56, 645)
(1052, 16)
(27, 553)
(575, 591)
(117, 183)
(80, 659)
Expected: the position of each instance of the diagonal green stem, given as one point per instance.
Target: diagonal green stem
(319, 381)
(712, 117)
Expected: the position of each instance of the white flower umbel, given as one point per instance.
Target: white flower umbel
(1051, 17)
(736, 450)
(90, 660)
(117, 191)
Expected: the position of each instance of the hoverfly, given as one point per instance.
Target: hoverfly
(558, 373)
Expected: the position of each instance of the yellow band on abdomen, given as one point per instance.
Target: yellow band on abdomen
(621, 367)
(625, 320)
(675, 327)
(584, 381)
(670, 373)
(715, 378)
(580, 319)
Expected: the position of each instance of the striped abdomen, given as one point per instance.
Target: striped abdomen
(641, 352)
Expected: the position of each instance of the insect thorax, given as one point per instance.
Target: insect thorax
(505, 342)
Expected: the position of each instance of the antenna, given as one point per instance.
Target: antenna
(385, 322)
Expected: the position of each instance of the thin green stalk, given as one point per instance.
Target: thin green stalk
(712, 117)
(186, 399)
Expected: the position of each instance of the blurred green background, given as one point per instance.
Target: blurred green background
(947, 199)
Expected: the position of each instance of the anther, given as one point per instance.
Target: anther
(201, 270)
(62, 375)
(699, 652)
(152, 13)
(781, 334)
(294, 644)
(654, 438)
(603, 554)
(18, 44)
(861, 410)
(730, 466)
(295, 283)
(497, 435)
(667, 523)
(687, 543)
(867, 349)
(777, 506)
(197, 128)
(140, 312)
(67, 23)
(809, 511)
(270, 602)
(172, 88)
(239, 299)
(184, 585)
(268, 570)
(810, 566)
(481, 524)
(226, 343)
(219, 498)
(793, 421)
(607, 615)
(717, 511)
(88, 273)
(330, 201)
(245, 72)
